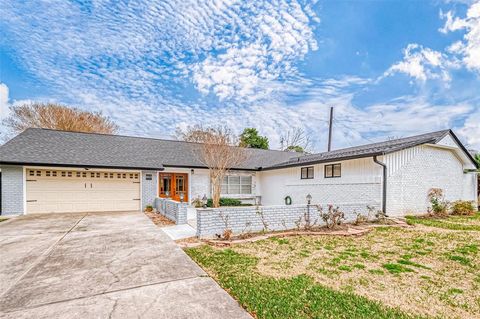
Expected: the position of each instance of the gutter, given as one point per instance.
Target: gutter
(384, 184)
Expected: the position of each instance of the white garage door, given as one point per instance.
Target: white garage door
(57, 191)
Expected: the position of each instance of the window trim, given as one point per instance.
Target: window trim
(333, 170)
(307, 168)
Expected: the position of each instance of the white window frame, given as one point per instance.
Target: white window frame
(239, 185)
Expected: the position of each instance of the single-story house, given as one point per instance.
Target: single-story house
(46, 171)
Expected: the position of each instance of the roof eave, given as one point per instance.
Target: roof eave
(158, 168)
(338, 159)
(470, 156)
(205, 167)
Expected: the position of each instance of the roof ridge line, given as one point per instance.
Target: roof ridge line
(139, 137)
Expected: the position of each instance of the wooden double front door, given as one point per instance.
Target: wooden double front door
(173, 185)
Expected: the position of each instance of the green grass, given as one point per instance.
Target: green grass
(460, 259)
(2, 219)
(296, 297)
(452, 222)
(408, 262)
(396, 268)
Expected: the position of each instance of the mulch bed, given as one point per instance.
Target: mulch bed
(344, 230)
(159, 219)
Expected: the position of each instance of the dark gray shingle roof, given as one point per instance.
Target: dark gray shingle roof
(365, 150)
(60, 148)
(51, 147)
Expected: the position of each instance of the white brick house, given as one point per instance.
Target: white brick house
(47, 171)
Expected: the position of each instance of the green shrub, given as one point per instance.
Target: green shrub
(463, 208)
(225, 201)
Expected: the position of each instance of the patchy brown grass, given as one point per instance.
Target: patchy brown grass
(422, 270)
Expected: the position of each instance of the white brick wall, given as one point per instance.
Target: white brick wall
(214, 221)
(360, 183)
(414, 176)
(199, 184)
(171, 209)
(149, 188)
(12, 190)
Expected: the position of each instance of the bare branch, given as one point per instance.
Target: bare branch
(295, 140)
(59, 117)
(217, 150)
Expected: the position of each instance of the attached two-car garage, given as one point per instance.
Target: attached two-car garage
(69, 190)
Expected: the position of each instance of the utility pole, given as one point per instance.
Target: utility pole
(330, 128)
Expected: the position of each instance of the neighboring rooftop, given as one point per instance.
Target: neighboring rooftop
(61, 148)
(370, 150)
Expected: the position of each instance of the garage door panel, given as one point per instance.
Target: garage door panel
(72, 191)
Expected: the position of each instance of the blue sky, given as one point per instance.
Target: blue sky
(390, 68)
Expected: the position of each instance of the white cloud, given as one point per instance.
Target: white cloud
(4, 105)
(140, 61)
(147, 49)
(470, 131)
(422, 64)
(469, 48)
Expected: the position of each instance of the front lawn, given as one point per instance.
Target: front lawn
(388, 273)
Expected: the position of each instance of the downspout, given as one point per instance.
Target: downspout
(384, 181)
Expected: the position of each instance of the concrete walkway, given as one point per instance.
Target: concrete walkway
(184, 231)
(109, 265)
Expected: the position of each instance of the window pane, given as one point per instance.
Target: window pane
(246, 180)
(234, 180)
(304, 173)
(246, 189)
(337, 170)
(225, 180)
(224, 189)
(310, 172)
(233, 189)
(328, 171)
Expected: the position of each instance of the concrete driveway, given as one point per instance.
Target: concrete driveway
(103, 265)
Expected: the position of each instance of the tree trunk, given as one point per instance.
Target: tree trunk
(216, 178)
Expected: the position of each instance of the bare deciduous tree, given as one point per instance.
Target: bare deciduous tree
(217, 151)
(295, 140)
(58, 117)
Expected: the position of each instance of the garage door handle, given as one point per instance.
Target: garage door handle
(31, 201)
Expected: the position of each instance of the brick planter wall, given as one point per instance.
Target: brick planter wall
(213, 221)
(173, 210)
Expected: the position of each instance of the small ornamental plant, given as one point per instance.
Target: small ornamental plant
(333, 217)
(148, 208)
(439, 206)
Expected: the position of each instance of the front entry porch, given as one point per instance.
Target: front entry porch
(173, 186)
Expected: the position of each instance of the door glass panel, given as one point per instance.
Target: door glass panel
(165, 184)
(179, 184)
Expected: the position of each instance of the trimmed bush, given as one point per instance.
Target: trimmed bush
(463, 208)
(225, 201)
